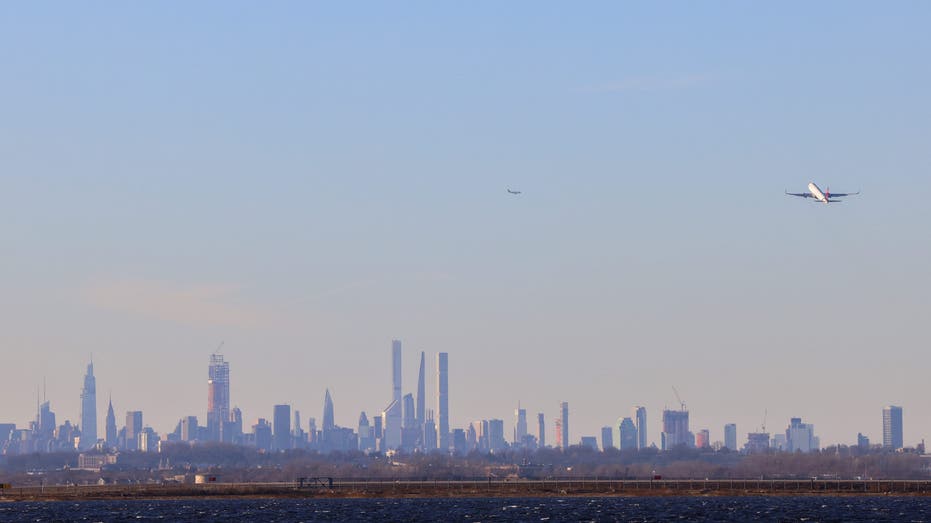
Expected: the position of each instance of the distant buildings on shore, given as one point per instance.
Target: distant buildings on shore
(404, 425)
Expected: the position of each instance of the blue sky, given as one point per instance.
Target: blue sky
(308, 181)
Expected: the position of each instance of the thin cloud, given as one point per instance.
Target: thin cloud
(648, 83)
(198, 305)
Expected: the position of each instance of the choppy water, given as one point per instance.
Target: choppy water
(761, 508)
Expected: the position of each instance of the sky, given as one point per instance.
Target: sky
(306, 181)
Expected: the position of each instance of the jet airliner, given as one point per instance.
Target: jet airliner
(513, 192)
(822, 196)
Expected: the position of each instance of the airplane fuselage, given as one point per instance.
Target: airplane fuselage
(817, 193)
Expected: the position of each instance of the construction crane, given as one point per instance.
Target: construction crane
(220, 346)
(764, 421)
(681, 403)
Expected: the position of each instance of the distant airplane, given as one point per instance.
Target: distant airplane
(513, 192)
(817, 194)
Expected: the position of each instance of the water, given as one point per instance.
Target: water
(751, 508)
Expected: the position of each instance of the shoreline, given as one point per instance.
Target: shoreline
(470, 489)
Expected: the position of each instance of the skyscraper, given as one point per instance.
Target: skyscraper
(111, 426)
(396, 370)
(675, 429)
(564, 423)
(640, 421)
(495, 435)
(730, 436)
(329, 422)
(429, 432)
(800, 437)
(892, 427)
(218, 398)
(133, 429)
(541, 430)
(607, 438)
(703, 439)
(281, 422)
(442, 399)
(89, 409)
(421, 391)
(520, 424)
(627, 434)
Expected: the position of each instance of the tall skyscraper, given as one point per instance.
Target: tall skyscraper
(89, 409)
(111, 427)
(892, 427)
(800, 437)
(442, 399)
(640, 421)
(541, 431)
(496, 442)
(329, 422)
(627, 434)
(564, 423)
(396, 370)
(730, 436)
(281, 423)
(429, 432)
(218, 398)
(703, 439)
(607, 438)
(421, 391)
(520, 424)
(133, 429)
(676, 429)
(392, 416)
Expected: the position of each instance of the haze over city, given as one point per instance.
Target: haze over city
(307, 182)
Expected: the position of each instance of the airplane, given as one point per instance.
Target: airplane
(825, 197)
(513, 192)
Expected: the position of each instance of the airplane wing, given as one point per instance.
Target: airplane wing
(803, 194)
(841, 194)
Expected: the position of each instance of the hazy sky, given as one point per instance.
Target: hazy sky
(307, 181)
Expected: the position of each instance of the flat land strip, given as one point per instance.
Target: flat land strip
(470, 488)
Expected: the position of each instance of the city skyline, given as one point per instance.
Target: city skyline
(309, 181)
(676, 429)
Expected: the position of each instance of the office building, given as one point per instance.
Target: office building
(89, 410)
(627, 434)
(111, 431)
(421, 391)
(640, 421)
(218, 398)
(564, 424)
(541, 431)
(396, 370)
(520, 425)
(863, 442)
(800, 437)
(442, 400)
(730, 436)
(189, 428)
(262, 434)
(607, 438)
(429, 432)
(590, 442)
(329, 420)
(676, 429)
(703, 439)
(757, 442)
(281, 420)
(892, 427)
(496, 441)
(133, 429)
